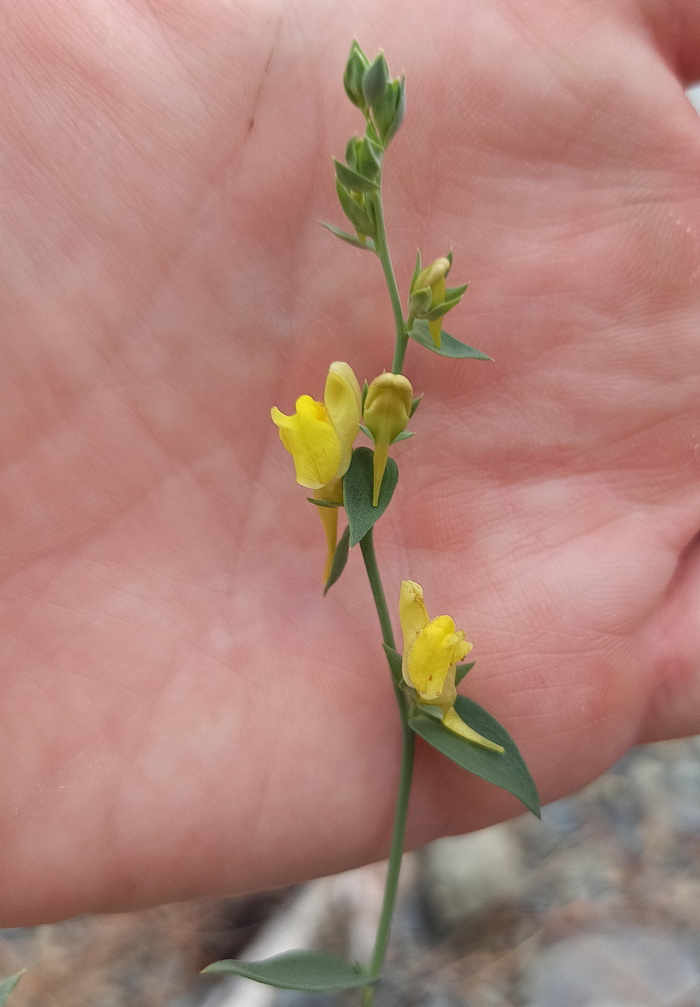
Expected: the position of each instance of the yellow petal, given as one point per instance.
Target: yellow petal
(435, 330)
(454, 723)
(343, 401)
(432, 657)
(311, 440)
(413, 614)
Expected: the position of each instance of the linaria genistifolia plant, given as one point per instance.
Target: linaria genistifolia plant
(320, 436)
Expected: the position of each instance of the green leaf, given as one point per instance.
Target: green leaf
(430, 711)
(351, 239)
(462, 670)
(353, 180)
(395, 663)
(451, 347)
(504, 769)
(340, 558)
(357, 492)
(7, 986)
(313, 971)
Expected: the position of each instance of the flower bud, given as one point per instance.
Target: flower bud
(387, 410)
(428, 290)
(354, 72)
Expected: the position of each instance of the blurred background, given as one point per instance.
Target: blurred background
(596, 906)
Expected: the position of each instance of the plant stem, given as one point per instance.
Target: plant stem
(404, 789)
(382, 247)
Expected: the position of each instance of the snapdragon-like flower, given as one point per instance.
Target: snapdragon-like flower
(319, 437)
(428, 291)
(387, 410)
(431, 650)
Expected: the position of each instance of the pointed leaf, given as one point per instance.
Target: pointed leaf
(367, 246)
(504, 769)
(416, 402)
(450, 347)
(7, 986)
(340, 558)
(452, 292)
(357, 492)
(395, 663)
(313, 971)
(461, 670)
(353, 180)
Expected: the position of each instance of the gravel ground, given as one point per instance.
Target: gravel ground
(596, 906)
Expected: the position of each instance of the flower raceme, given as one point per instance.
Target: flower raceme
(431, 650)
(319, 437)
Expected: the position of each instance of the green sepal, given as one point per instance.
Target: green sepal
(441, 309)
(351, 239)
(365, 389)
(375, 80)
(418, 270)
(395, 664)
(452, 292)
(354, 72)
(416, 402)
(340, 558)
(369, 158)
(450, 347)
(461, 670)
(403, 436)
(357, 492)
(353, 211)
(323, 503)
(353, 180)
(420, 302)
(389, 111)
(311, 971)
(367, 432)
(7, 986)
(449, 259)
(430, 711)
(504, 769)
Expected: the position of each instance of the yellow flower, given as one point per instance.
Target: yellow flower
(432, 280)
(431, 650)
(388, 405)
(319, 437)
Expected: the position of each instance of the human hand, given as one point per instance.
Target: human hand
(183, 713)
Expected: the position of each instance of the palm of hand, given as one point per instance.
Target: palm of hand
(201, 719)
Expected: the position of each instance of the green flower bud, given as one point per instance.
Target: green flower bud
(375, 80)
(387, 409)
(354, 72)
(389, 111)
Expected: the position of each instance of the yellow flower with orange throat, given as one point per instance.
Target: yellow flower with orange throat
(431, 650)
(319, 436)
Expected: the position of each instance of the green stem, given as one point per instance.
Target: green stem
(382, 247)
(404, 789)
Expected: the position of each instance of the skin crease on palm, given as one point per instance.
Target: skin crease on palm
(183, 713)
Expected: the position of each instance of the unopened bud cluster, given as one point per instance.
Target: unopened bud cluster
(382, 102)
